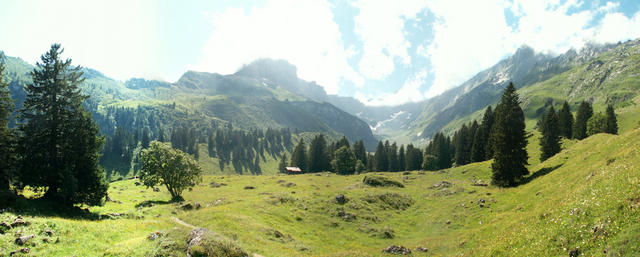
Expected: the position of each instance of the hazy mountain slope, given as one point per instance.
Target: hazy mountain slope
(524, 68)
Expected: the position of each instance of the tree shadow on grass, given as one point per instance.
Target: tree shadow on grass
(41, 207)
(149, 203)
(541, 172)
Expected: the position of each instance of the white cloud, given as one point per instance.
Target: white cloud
(115, 37)
(467, 39)
(380, 26)
(302, 32)
(409, 92)
(473, 37)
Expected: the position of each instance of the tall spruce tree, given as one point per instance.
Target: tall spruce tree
(145, 140)
(381, 158)
(479, 150)
(550, 141)
(394, 162)
(7, 137)
(585, 111)
(612, 122)
(318, 156)
(565, 121)
(360, 151)
(413, 158)
(59, 140)
(299, 156)
(509, 140)
(401, 158)
(462, 145)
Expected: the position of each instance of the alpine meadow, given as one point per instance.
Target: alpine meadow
(320, 128)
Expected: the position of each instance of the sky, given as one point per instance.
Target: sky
(380, 52)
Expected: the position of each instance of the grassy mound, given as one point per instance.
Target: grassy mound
(380, 181)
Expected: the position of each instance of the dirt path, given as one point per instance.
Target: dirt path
(179, 221)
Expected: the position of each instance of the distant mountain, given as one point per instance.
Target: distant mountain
(524, 68)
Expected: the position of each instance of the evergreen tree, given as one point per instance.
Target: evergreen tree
(481, 138)
(7, 137)
(413, 158)
(360, 151)
(612, 122)
(394, 162)
(299, 156)
(161, 137)
(597, 124)
(430, 162)
(342, 142)
(565, 121)
(344, 162)
(462, 145)
(401, 158)
(60, 143)
(550, 141)
(509, 140)
(282, 167)
(318, 155)
(211, 145)
(585, 111)
(145, 138)
(381, 158)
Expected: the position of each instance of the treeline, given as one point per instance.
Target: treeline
(343, 158)
(555, 126)
(129, 130)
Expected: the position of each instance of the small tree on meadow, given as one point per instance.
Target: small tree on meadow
(175, 169)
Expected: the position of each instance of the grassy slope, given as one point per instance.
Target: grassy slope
(586, 197)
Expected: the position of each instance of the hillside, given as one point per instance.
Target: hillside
(584, 199)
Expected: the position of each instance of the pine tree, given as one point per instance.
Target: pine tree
(481, 139)
(161, 136)
(612, 122)
(7, 137)
(299, 156)
(462, 143)
(381, 158)
(211, 145)
(401, 158)
(597, 124)
(394, 162)
(585, 111)
(282, 166)
(60, 143)
(360, 151)
(145, 138)
(318, 155)
(565, 121)
(509, 140)
(344, 162)
(550, 141)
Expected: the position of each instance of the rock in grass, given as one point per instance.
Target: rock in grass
(422, 249)
(341, 199)
(21, 250)
(574, 252)
(4, 227)
(380, 181)
(397, 249)
(20, 222)
(23, 239)
(249, 187)
(203, 242)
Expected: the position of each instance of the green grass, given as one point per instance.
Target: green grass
(587, 197)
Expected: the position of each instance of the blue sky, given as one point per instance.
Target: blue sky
(381, 52)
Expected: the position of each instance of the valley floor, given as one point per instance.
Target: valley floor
(584, 200)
